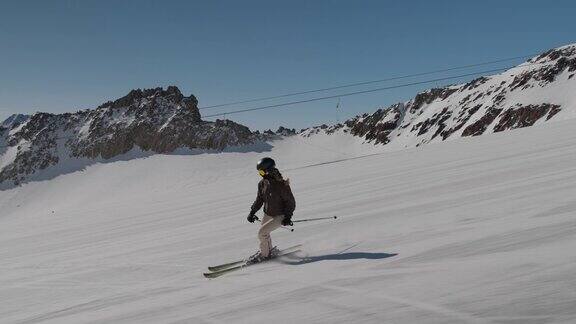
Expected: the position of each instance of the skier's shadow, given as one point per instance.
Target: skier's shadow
(341, 257)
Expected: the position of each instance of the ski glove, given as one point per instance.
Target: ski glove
(251, 218)
(287, 221)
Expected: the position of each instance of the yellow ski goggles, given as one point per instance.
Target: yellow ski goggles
(262, 172)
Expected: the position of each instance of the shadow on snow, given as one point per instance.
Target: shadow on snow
(69, 165)
(342, 257)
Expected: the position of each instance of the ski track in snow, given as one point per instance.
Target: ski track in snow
(477, 230)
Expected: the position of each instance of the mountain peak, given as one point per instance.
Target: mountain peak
(134, 97)
(563, 52)
(14, 121)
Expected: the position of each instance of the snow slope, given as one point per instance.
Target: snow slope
(476, 230)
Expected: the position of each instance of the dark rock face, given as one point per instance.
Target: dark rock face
(307, 132)
(378, 126)
(474, 83)
(553, 63)
(154, 120)
(429, 96)
(524, 116)
(171, 93)
(555, 53)
(283, 131)
(463, 117)
(480, 126)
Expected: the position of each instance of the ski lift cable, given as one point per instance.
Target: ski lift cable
(291, 103)
(351, 93)
(368, 82)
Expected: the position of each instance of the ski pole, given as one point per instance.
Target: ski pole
(286, 228)
(314, 219)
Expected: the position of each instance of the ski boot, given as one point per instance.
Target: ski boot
(255, 258)
(273, 252)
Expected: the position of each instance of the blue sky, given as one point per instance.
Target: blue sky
(60, 56)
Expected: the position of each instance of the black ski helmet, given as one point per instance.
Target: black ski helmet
(265, 164)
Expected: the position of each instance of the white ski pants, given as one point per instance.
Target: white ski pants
(269, 223)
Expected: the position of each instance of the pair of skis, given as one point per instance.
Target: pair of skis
(222, 269)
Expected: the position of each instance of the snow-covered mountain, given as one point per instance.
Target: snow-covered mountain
(153, 120)
(541, 89)
(162, 121)
(14, 121)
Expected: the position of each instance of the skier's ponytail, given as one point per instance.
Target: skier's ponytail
(276, 175)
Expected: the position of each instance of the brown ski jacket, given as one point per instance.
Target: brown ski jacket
(276, 196)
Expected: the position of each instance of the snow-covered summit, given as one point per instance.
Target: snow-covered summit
(14, 121)
(539, 90)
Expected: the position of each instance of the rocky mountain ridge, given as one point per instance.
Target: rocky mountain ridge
(154, 120)
(541, 89)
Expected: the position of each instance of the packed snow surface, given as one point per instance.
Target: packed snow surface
(476, 230)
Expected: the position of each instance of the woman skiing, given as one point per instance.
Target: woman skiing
(275, 194)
